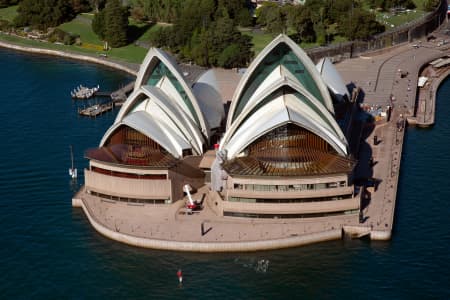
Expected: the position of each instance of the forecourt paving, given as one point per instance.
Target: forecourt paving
(380, 77)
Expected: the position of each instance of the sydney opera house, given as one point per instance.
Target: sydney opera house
(279, 149)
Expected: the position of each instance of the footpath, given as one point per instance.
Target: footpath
(388, 79)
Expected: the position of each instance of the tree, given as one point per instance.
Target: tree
(227, 59)
(263, 11)
(116, 20)
(429, 5)
(97, 5)
(276, 21)
(300, 19)
(111, 24)
(238, 10)
(6, 3)
(360, 25)
(205, 33)
(159, 11)
(42, 14)
(388, 4)
(80, 6)
(98, 24)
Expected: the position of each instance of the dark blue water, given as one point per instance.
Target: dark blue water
(48, 249)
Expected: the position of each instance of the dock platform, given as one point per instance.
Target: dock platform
(95, 110)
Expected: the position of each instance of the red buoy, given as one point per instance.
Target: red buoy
(180, 276)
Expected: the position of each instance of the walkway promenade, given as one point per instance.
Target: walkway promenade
(387, 79)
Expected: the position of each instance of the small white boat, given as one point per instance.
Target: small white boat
(82, 92)
(72, 171)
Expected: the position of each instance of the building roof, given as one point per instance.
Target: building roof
(207, 91)
(282, 51)
(332, 78)
(318, 163)
(281, 86)
(161, 70)
(164, 108)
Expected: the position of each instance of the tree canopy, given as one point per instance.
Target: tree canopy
(387, 4)
(42, 14)
(206, 34)
(111, 24)
(6, 3)
(319, 20)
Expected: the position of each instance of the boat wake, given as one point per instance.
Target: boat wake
(259, 266)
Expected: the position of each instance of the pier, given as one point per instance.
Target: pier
(95, 110)
(117, 99)
(119, 95)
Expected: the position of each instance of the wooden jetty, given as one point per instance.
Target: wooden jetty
(117, 98)
(118, 95)
(95, 110)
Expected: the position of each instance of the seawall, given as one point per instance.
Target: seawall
(101, 61)
(241, 246)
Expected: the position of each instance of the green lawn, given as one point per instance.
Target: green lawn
(390, 20)
(130, 53)
(8, 13)
(81, 26)
(143, 31)
(259, 39)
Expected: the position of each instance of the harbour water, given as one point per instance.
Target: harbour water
(50, 251)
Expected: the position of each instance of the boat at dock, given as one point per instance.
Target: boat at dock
(83, 92)
(72, 171)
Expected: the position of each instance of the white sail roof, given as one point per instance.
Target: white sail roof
(281, 51)
(206, 89)
(159, 69)
(282, 109)
(163, 108)
(332, 78)
(276, 91)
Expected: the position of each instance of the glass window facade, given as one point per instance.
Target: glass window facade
(297, 200)
(283, 55)
(161, 71)
(289, 216)
(131, 201)
(289, 187)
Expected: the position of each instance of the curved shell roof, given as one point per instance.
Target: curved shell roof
(332, 78)
(282, 51)
(277, 91)
(163, 108)
(206, 89)
(159, 69)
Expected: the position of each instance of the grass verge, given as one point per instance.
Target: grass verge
(8, 13)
